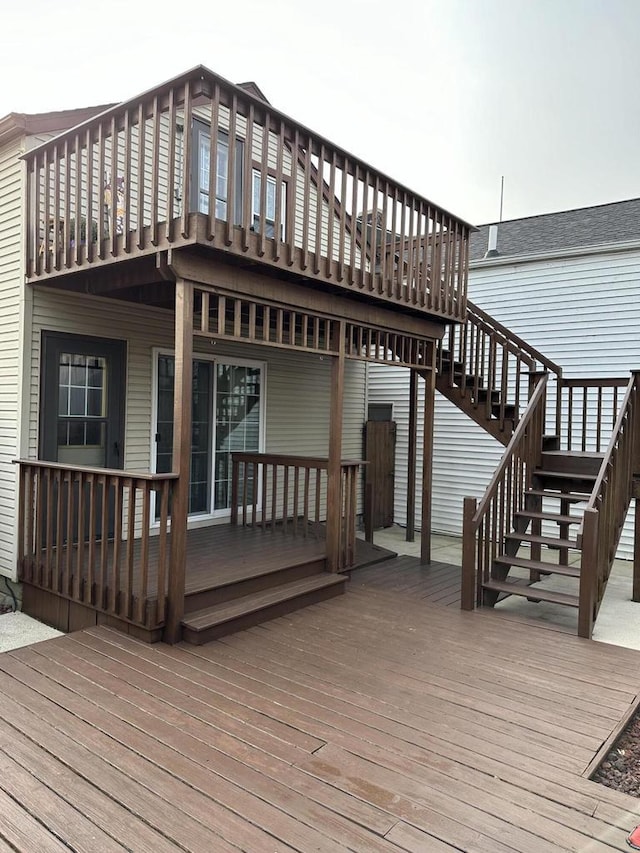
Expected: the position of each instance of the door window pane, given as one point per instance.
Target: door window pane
(200, 485)
(82, 404)
(237, 423)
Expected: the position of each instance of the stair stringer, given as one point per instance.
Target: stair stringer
(476, 413)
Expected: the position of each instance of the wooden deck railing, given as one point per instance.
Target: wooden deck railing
(607, 507)
(84, 535)
(290, 493)
(199, 160)
(490, 365)
(485, 525)
(587, 411)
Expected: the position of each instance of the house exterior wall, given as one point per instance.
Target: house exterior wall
(582, 312)
(11, 301)
(298, 385)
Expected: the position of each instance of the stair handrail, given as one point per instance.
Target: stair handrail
(486, 521)
(606, 510)
(517, 341)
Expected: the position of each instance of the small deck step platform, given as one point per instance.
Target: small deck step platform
(525, 590)
(539, 566)
(216, 621)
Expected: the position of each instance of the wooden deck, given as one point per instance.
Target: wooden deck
(377, 721)
(219, 558)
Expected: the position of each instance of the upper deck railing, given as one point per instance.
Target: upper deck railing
(199, 160)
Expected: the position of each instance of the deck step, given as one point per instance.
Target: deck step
(539, 566)
(572, 497)
(576, 462)
(210, 591)
(216, 621)
(565, 476)
(549, 516)
(523, 589)
(534, 539)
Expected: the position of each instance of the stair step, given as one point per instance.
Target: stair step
(576, 462)
(543, 540)
(565, 476)
(482, 393)
(526, 591)
(550, 516)
(539, 566)
(216, 621)
(509, 411)
(572, 497)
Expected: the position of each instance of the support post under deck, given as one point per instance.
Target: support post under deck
(334, 472)
(182, 402)
(411, 455)
(427, 464)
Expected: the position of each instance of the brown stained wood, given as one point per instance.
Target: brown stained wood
(157, 206)
(427, 464)
(181, 457)
(437, 748)
(411, 455)
(334, 472)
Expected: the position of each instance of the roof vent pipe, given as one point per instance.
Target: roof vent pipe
(492, 247)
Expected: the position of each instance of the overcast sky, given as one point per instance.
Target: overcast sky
(444, 95)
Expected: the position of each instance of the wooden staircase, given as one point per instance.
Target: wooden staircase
(556, 504)
(547, 528)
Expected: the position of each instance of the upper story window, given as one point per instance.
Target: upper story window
(223, 185)
(271, 204)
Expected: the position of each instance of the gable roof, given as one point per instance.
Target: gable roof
(18, 124)
(601, 225)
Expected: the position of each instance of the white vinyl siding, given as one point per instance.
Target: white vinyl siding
(11, 296)
(581, 312)
(297, 390)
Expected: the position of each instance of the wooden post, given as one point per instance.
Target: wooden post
(588, 573)
(182, 402)
(334, 472)
(427, 464)
(635, 486)
(411, 455)
(635, 595)
(468, 593)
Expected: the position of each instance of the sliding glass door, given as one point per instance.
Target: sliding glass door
(226, 417)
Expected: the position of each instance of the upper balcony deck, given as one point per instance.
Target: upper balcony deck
(201, 161)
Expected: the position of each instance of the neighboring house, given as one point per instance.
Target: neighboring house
(569, 284)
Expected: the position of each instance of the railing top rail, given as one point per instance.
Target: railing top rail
(523, 423)
(291, 461)
(103, 472)
(594, 382)
(260, 107)
(551, 366)
(603, 473)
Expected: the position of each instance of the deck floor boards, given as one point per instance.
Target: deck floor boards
(382, 720)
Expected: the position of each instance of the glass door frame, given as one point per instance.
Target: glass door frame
(204, 518)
